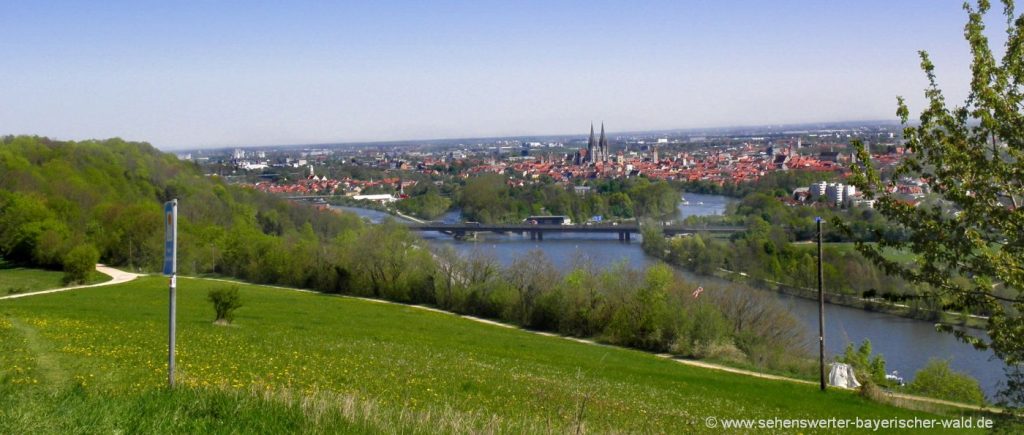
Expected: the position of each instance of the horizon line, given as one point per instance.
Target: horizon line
(525, 135)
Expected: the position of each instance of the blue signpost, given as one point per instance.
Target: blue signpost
(821, 312)
(171, 270)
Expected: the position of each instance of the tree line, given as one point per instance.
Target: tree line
(490, 199)
(652, 309)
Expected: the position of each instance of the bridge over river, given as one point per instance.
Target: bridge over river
(537, 231)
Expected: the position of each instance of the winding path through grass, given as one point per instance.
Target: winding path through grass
(119, 277)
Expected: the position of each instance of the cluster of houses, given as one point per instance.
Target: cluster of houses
(314, 185)
(741, 164)
(723, 165)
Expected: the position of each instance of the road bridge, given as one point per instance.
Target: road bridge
(537, 231)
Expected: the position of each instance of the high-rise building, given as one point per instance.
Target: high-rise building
(849, 193)
(818, 189)
(835, 193)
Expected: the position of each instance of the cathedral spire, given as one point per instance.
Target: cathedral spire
(590, 144)
(603, 145)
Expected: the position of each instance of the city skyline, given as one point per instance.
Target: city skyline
(189, 76)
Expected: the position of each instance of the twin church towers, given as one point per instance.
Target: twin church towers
(597, 151)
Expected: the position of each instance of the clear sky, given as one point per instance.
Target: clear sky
(220, 73)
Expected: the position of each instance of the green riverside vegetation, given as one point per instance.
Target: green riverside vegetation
(775, 251)
(489, 198)
(305, 362)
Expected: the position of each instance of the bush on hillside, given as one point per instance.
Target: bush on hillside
(79, 264)
(703, 332)
(938, 380)
(225, 302)
(869, 390)
(644, 321)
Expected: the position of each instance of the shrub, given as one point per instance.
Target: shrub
(644, 321)
(702, 329)
(869, 390)
(938, 380)
(761, 326)
(79, 263)
(709, 327)
(723, 352)
(225, 302)
(865, 365)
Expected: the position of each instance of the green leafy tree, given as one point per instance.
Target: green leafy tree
(655, 200)
(863, 362)
(970, 244)
(21, 223)
(390, 260)
(531, 276)
(644, 320)
(79, 264)
(429, 205)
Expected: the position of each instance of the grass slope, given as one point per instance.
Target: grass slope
(24, 280)
(95, 359)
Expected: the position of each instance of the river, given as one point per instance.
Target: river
(906, 344)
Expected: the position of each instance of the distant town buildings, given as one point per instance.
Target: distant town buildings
(833, 194)
(836, 194)
(714, 157)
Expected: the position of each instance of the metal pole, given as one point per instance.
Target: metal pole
(171, 270)
(821, 312)
(171, 336)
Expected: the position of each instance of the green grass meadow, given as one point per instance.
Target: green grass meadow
(14, 280)
(94, 360)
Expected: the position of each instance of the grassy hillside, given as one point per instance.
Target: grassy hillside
(95, 359)
(25, 280)
(108, 195)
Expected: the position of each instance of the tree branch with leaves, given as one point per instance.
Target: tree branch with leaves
(970, 242)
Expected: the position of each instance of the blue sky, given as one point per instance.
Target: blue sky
(221, 73)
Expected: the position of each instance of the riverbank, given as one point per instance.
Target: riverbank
(851, 301)
(906, 343)
(844, 300)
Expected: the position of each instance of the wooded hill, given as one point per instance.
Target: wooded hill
(59, 195)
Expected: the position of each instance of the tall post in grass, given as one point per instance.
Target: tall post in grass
(821, 312)
(171, 269)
